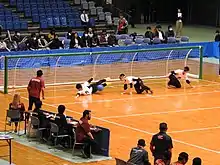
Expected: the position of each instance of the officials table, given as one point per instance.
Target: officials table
(8, 139)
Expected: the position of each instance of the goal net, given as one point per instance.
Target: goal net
(60, 69)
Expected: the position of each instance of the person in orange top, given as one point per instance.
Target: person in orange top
(182, 159)
(17, 105)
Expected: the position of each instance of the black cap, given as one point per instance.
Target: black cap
(141, 142)
(163, 126)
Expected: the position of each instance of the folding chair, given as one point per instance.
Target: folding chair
(75, 143)
(11, 115)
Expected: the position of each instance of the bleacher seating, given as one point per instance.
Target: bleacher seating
(10, 20)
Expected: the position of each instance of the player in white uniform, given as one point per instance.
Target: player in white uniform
(87, 88)
(136, 82)
(177, 75)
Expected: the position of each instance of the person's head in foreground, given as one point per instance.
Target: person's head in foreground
(141, 143)
(122, 77)
(186, 69)
(79, 87)
(38, 104)
(87, 114)
(163, 127)
(61, 109)
(183, 158)
(39, 73)
(197, 161)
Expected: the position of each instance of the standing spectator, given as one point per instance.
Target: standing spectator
(197, 161)
(149, 33)
(84, 135)
(159, 33)
(17, 105)
(112, 41)
(35, 88)
(217, 36)
(56, 43)
(84, 19)
(122, 25)
(179, 23)
(75, 41)
(139, 155)
(182, 159)
(161, 144)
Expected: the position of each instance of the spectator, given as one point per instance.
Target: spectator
(112, 41)
(17, 105)
(32, 42)
(139, 155)
(51, 35)
(85, 39)
(159, 33)
(19, 42)
(93, 38)
(69, 34)
(103, 38)
(56, 43)
(42, 42)
(1, 30)
(3, 46)
(122, 25)
(182, 159)
(75, 41)
(197, 161)
(149, 33)
(84, 134)
(17, 37)
(170, 32)
(84, 18)
(161, 144)
(217, 36)
(179, 23)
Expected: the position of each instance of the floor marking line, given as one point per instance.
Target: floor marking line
(135, 129)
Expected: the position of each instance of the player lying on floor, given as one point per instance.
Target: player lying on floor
(130, 81)
(89, 88)
(177, 75)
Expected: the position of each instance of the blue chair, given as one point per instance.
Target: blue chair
(13, 2)
(171, 40)
(35, 18)
(8, 13)
(2, 18)
(139, 41)
(8, 18)
(16, 25)
(50, 21)
(43, 24)
(184, 39)
(156, 41)
(15, 18)
(20, 7)
(43, 17)
(63, 21)
(78, 23)
(27, 13)
(56, 21)
(147, 40)
(9, 26)
(24, 25)
(71, 23)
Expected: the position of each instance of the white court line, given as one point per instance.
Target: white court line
(193, 130)
(143, 97)
(160, 113)
(135, 129)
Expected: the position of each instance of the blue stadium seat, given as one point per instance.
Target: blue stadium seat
(71, 23)
(56, 21)
(78, 23)
(2, 24)
(16, 25)
(24, 25)
(43, 24)
(35, 18)
(8, 12)
(8, 18)
(50, 21)
(9, 26)
(27, 12)
(2, 18)
(63, 21)
(12, 2)
(43, 17)
(15, 18)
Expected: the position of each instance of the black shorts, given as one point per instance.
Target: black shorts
(139, 86)
(174, 81)
(94, 85)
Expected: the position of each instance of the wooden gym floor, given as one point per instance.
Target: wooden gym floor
(192, 115)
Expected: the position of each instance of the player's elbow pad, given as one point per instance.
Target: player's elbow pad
(125, 86)
(187, 81)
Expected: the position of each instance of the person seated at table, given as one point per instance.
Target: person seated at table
(17, 105)
(84, 135)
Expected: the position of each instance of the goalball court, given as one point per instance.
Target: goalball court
(192, 114)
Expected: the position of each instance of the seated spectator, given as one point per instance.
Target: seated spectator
(42, 43)
(85, 40)
(122, 25)
(3, 46)
(32, 42)
(112, 41)
(139, 155)
(217, 36)
(75, 41)
(93, 38)
(84, 18)
(84, 135)
(56, 43)
(17, 37)
(197, 161)
(51, 35)
(182, 159)
(159, 33)
(103, 39)
(170, 32)
(69, 34)
(17, 105)
(149, 33)
(90, 32)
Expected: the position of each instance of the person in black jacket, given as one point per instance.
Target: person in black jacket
(169, 33)
(76, 41)
(149, 33)
(112, 41)
(85, 40)
(159, 33)
(56, 43)
(217, 36)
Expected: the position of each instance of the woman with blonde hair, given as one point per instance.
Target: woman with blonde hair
(17, 105)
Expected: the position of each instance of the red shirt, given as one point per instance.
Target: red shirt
(82, 129)
(35, 86)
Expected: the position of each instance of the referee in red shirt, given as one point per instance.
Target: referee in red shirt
(35, 88)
